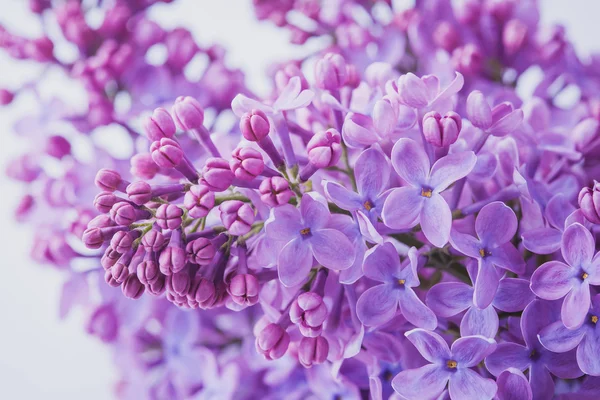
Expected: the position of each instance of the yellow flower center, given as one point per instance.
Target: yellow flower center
(451, 364)
(368, 205)
(584, 275)
(426, 192)
(305, 231)
(595, 319)
(401, 281)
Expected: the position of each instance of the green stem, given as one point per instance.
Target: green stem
(349, 170)
(239, 197)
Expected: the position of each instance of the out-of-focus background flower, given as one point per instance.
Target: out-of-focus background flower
(43, 357)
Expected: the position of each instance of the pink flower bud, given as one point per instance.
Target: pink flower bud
(153, 241)
(173, 258)
(168, 216)
(109, 258)
(283, 76)
(246, 163)
(147, 271)
(104, 323)
(272, 342)
(6, 97)
(275, 191)
(313, 350)
(166, 153)
(159, 125)
(123, 240)
(143, 166)
(124, 213)
(255, 125)
(468, 59)
(330, 72)
(179, 282)
(216, 174)
(237, 217)
(446, 36)
(132, 287)
(385, 115)
(441, 131)
(188, 113)
(58, 147)
(204, 293)
(201, 251)
(139, 192)
(514, 36)
(309, 312)
(104, 201)
(589, 201)
(109, 180)
(324, 148)
(243, 289)
(199, 201)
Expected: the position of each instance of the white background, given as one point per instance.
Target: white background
(42, 357)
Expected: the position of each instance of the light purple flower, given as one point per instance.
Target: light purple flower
(495, 225)
(421, 201)
(305, 235)
(555, 279)
(513, 385)
(378, 305)
(447, 365)
(424, 93)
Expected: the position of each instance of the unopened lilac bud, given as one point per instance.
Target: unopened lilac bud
(159, 125)
(139, 192)
(109, 258)
(172, 259)
(324, 148)
(110, 181)
(441, 131)
(275, 191)
(103, 323)
(158, 286)
(147, 271)
(283, 76)
(313, 350)
(58, 147)
(168, 216)
(132, 287)
(446, 36)
(124, 213)
(309, 312)
(123, 240)
(100, 221)
(246, 163)
(119, 272)
(188, 113)
(199, 200)
(143, 166)
(166, 153)
(385, 115)
(40, 49)
(468, 59)
(352, 76)
(330, 72)
(243, 289)
(201, 251)
(217, 175)
(6, 97)
(514, 36)
(589, 201)
(237, 217)
(104, 201)
(478, 110)
(272, 342)
(204, 293)
(255, 125)
(179, 282)
(94, 237)
(153, 240)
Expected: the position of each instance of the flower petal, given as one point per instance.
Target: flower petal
(332, 249)
(557, 338)
(478, 110)
(508, 257)
(557, 211)
(367, 229)
(283, 223)
(294, 261)
(402, 208)
(466, 244)
(467, 384)
(563, 365)
(576, 306)
(315, 215)
(436, 220)
(496, 224)
(451, 168)
(486, 284)
(415, 311)
(447, 299)
(577, 245)
(382, 263)
(425, 383)
(431, 345)
(542, 240)
(540, 380)
(469, 351)
(507, 124)
(479, 322)
(513, 295)
(588, 353)
(372, 171)
(342, 197)
(552, 280)
(513, 385)
(410, 162)
(412, 91)
(507, 355)
(377, 305)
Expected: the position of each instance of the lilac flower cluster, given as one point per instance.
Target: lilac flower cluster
(393, 221)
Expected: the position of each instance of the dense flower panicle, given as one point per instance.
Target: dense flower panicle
(401, 222)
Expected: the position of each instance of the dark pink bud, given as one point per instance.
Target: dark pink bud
(188, 113)
(309, 312)
(243, 289)
(199, 201)
(166, 153)
(172, 259)
(104, 323)
(589, 201)
(105, 200)
(100, 221)
(246, 163)
(157, 287)
(324, 148)
(143, 166)
(132, 287)
(204, 293)
(139, 192)
(168, 216)
(468, 59)
(6, 97)
(124, 213)
(123, 240)
(109, 258)
(216, 174)
(181, 48)
(446, 36)
(58, 147)
(147, 271)
(272, 342)
(313, 350)
(514, 36)
(119, 271)
(255, 125)
(40, 49)
(201, 251)
(109, 180)
(179, 282)
(275, 191)
(330, 72)
(237, 217)
(93, 238)
(153, 240)
(441, 131)
(159, 125)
